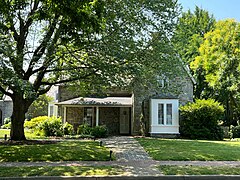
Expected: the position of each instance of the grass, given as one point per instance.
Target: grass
(61, 151)
(28, 133)
(59, 171)
(199, 170)
(191, 150)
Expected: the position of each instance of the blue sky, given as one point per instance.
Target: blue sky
(221, 9)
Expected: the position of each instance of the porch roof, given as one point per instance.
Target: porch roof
(105, 101)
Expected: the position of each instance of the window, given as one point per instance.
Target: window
(163, 81)
(165, 114)
(51, 111)
(160, 114)
(169, 114)
(88, 115)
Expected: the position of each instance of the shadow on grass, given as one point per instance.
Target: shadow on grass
(59, 171)
(61, 151)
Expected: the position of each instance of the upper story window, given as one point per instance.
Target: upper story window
(163, 81)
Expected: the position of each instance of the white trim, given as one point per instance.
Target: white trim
(77, 105)
(163, 133)
(97, 116)
(64, 114)
(164, 125)
(164, 128)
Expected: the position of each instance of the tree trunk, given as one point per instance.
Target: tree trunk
(17, 118)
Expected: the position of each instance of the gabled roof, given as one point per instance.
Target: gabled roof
(105, 101)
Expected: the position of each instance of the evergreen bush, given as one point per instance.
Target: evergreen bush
(200, 120)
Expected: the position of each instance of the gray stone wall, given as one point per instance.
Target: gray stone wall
(109, 116)
(66, 93)
(180, 86)
(75, 116)
(6, 108)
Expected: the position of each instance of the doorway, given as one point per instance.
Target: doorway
(125, 125)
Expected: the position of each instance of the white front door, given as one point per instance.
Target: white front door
(124, 120)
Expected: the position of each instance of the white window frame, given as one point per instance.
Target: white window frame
(155, 127)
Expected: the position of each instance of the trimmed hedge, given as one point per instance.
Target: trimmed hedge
(200, 120)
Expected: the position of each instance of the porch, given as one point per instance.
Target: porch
(114, 112)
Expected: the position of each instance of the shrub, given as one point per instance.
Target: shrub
(7, 120)
(200, 120)
(33, 123)
(67, 129)
(6, 126)
(234, 131)
(97, 131)
(84, 129)
(52, 127)
(6, 123)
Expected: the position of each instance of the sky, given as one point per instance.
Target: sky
(221, 9)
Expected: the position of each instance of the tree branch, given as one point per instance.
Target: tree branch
(5, 92)
(68, 80)
(38, 53)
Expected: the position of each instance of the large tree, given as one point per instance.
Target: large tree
(47, 42)
(220, 58)
(188, 36)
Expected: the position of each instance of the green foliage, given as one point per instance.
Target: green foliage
(52, 127)
(35, 122)
(84, 129)
(188, 37)
(95, 42)
(6, 123)
(39, 107)
(234, 131)
(68, 129)
(6, 126)
(97, 131)
(7, 120)
(200, 120)
(219, 58)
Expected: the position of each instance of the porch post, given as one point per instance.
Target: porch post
(97, 116)
(64, 114)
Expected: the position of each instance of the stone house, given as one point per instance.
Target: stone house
(6, 108)
(154, 112)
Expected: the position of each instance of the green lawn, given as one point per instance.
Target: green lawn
(199, 170)
(28, 133)
(191, 150)
(59, 171)
(61, 151)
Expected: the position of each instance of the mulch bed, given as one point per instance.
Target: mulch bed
(27, 142)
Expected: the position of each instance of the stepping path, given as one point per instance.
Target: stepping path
(132, 156)
(126, 148)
